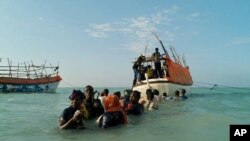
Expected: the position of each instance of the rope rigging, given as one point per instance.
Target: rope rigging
(218, 87)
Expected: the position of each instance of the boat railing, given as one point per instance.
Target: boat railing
(30, 71)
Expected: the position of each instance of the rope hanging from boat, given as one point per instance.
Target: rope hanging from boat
(69, 84)
(212, 86)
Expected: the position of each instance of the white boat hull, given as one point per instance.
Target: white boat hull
(162, 85)
(39, 88)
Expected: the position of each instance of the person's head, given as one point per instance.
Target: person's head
(177, 93)
(140, 58)
(118, 94)
(165, 94)
(126, 94)
(135, 96)
(149, 67)
(156, 49)
(155, 92)
(89, 92)
(150, 95)
(111, 103)
(76, 98)
(105, 92)
(183, 91)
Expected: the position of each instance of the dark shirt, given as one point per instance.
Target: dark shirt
(184, 97)
(137, 109)
(109, 119)
(94, 108)
(67, 114)
(135, 66)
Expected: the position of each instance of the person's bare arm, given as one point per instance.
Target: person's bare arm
(65, 125)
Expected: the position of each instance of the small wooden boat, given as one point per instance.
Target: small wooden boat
(29, 78)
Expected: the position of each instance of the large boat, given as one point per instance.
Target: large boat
(173, 78)
(28, 78)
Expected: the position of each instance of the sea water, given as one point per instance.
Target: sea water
(204, 116)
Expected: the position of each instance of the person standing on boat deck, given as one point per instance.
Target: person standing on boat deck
(149, 72)
(165, 66)
(72, 117)
(156, 57)
(142, 71)
(137, 69)
(164, 70)
(94, 106)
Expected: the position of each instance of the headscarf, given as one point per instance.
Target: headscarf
(111, 104)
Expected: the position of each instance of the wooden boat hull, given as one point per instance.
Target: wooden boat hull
(40, 85)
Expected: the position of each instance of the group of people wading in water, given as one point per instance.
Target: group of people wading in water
(112, 109)
(108, 109)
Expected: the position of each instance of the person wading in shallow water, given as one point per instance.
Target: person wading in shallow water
(134, 107)
(72, 117)
(114, 113)
(94, 106)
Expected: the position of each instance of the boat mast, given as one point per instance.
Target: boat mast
(17, 70)
(9, 62)
(44, 69)
(175, 58)
(145, 51)
(184, 60)
(27, 71)
(178, 58)
(34, 69)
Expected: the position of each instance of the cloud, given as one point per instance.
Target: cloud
(194, 17)
(106, 27)
(99, 30)
(164, 15)
(98, 34)
(137, 30)
(239, 41)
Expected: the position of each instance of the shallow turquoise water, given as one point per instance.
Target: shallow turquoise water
(205, 116)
